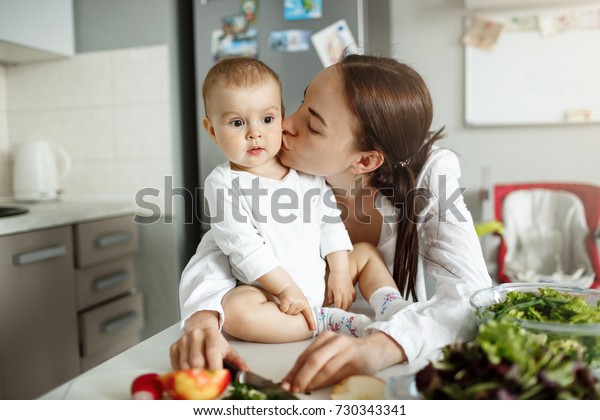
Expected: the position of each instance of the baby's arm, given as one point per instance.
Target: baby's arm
(340, 290)
(292, 300)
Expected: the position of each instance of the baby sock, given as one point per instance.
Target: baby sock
(340, 321)
(386, 301)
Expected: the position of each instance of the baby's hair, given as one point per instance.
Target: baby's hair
(237, 72)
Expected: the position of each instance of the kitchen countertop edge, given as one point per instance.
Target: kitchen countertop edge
(61, 213)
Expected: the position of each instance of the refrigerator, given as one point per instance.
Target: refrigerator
(296, 69)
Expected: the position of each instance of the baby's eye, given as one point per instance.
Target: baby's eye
(268, 120)
(236, 123)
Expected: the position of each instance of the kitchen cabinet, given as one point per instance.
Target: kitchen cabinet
(39, 344)
(109, 307)
(32, 30)
(68, 302)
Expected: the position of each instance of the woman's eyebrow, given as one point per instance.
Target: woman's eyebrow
(317, 116)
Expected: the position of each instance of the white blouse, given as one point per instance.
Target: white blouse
(451, 264)
(451, 267)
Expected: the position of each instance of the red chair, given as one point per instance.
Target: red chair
(590, 198)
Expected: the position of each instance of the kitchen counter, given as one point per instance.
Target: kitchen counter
(60, 213)
(112, 379)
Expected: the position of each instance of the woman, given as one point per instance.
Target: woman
(364, 125)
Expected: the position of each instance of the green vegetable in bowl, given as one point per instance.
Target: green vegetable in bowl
(547, 305)
(508, 362)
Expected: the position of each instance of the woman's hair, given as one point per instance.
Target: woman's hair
(237, 72)
(394, 111)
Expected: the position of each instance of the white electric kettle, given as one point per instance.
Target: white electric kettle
(36, 176)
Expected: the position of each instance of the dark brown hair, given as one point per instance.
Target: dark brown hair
(394, 111)
(237, 72)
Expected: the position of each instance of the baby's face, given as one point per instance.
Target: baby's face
(246, 123)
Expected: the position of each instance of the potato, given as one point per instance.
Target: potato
(359, 387)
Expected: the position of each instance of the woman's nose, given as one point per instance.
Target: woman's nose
(288, 126)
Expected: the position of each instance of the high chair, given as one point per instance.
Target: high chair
(550, 232)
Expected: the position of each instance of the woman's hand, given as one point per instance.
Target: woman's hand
(202, 345)
(332, 357)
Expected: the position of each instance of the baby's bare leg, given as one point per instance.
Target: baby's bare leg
(375, 282)
(368, 268)
(252, 315)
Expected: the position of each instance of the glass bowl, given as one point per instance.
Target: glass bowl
(586, 334)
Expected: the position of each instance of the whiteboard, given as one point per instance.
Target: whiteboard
(529, 78)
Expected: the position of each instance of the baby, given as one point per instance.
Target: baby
(276, 225)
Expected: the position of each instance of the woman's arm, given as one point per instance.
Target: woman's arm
(452, 266)
(204, 281)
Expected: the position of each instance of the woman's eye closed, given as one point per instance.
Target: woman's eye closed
(312, 130)
(236, 123)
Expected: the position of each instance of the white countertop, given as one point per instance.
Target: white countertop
(59, 213)
(112, 379)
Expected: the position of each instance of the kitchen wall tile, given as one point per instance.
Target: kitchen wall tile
(2, 88)
(82, 80)
(6, 171)
(141, 75)
(143, 131)
(119, 179)
(110, 110)
(146, 174)
(84, 132)
(4, 144)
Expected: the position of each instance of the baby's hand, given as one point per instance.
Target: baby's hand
(340, 290)
(292, 302)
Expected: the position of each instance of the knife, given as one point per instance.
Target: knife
(258, 382)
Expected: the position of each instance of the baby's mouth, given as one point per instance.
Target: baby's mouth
(255, 150)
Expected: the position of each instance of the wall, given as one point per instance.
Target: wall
(165, 247)
(110, 110)
(108, 24)
(427, 34)
(5, 167)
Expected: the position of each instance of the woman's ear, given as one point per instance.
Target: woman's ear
(210, 129)
(368, 162)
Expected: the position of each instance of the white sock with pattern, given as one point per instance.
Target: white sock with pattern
(386, 301)
(340, 321)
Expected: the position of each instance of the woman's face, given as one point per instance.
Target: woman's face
(318, 138)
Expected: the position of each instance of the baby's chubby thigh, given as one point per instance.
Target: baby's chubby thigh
(238, 306)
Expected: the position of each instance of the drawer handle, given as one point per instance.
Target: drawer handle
(114, 239)
(116, 324)
(110, 281)
(40, 255)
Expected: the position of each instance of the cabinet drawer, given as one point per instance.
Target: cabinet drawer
(108, 326)
(104, 281)
(104, 240)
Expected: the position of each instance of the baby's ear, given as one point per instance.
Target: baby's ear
(367, 162)
(210, 129)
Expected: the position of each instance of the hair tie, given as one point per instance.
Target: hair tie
(403, 163)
